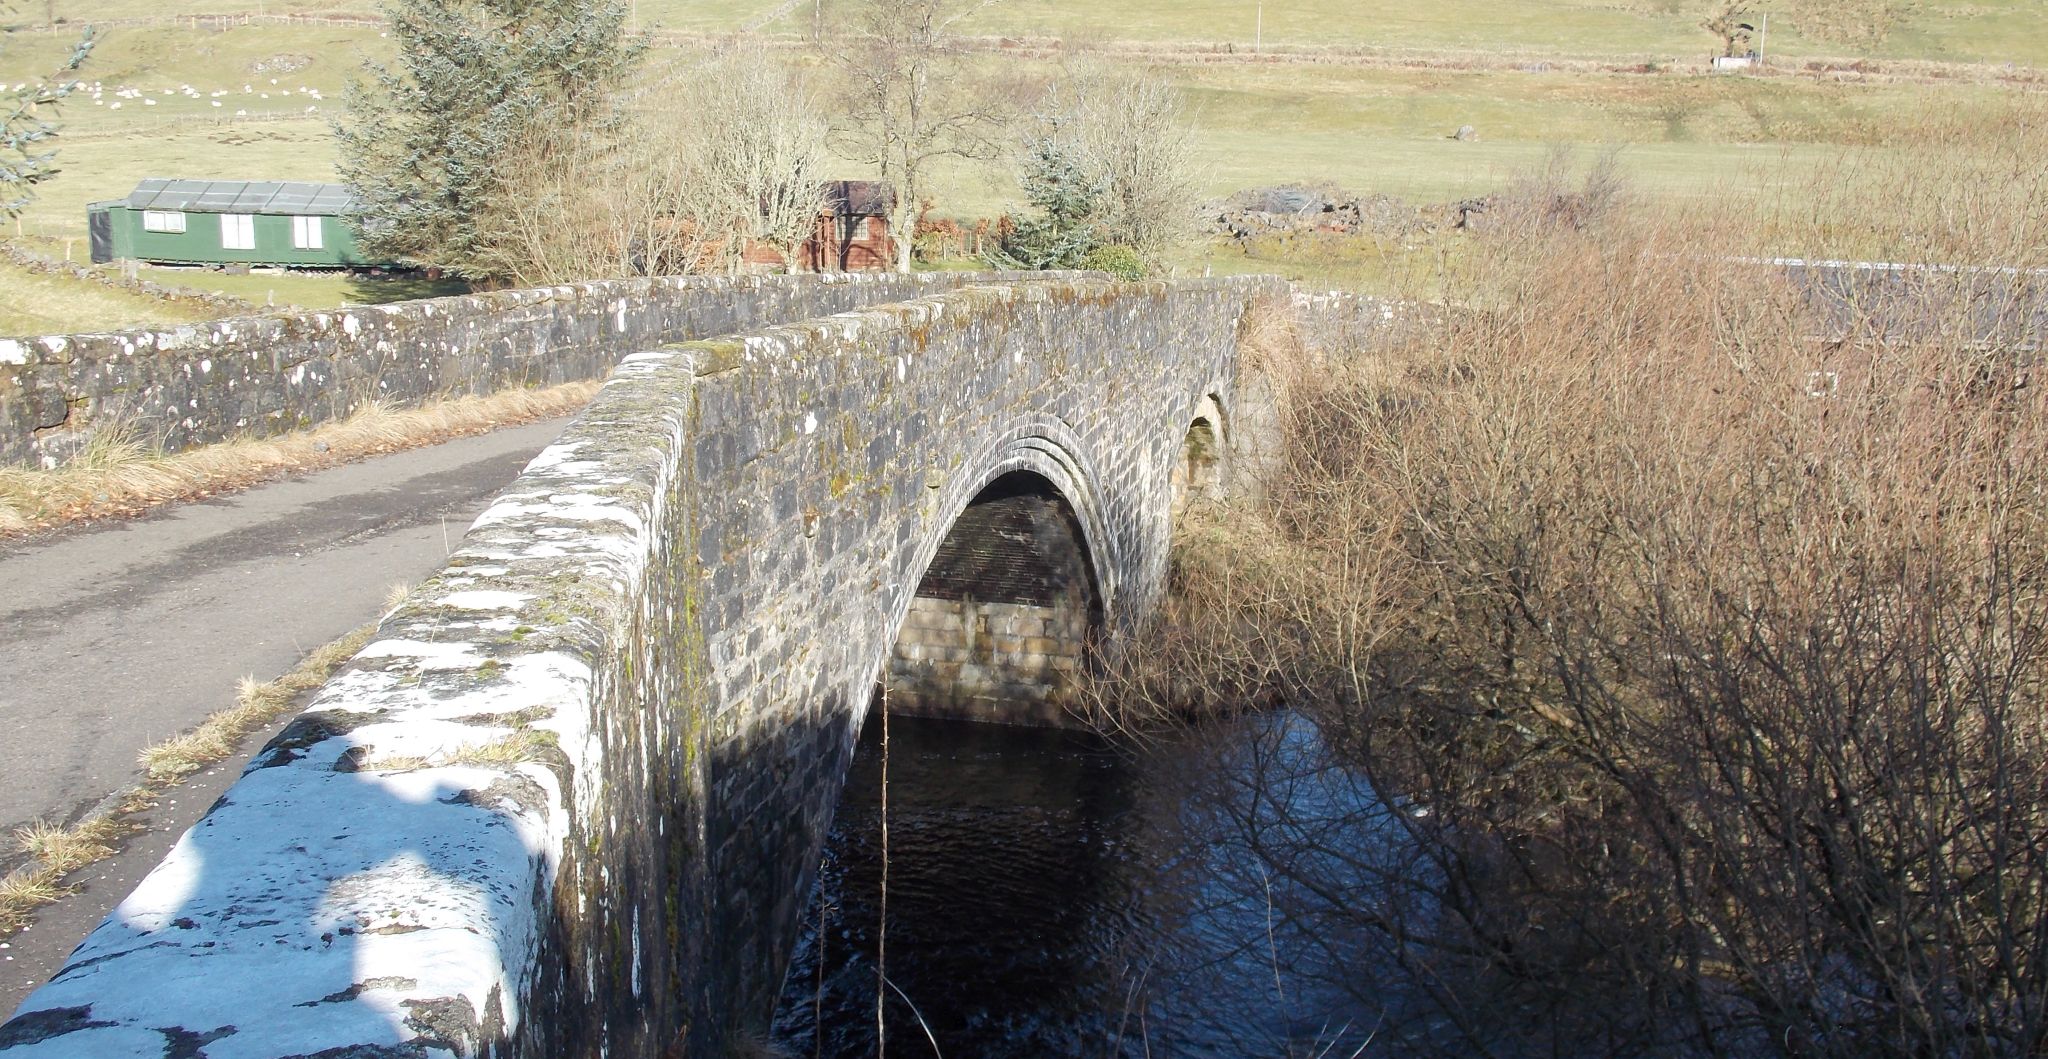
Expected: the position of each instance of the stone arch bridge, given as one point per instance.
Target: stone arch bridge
(569, 801)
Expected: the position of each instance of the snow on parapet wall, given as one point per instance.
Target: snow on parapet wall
(567, 801)
(386, 874)
(193, 384)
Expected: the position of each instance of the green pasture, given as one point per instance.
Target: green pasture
(34, 303)
(1954, 30)
(309, 290)
(1391, 131)
(104, 158)
(1373, 130)
(1950, 30)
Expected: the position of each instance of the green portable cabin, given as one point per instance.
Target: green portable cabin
(228, 222)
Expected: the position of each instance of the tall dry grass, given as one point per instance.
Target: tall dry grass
(119, 472)
(1706, 620)
(55, 852)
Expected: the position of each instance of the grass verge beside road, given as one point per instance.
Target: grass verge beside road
(256, 706)
(54, 851)
(118, 475)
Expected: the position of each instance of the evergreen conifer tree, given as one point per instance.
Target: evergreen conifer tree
(1067, 198)
(426, 141)
(26, 129)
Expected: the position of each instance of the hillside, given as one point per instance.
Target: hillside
(1365, 93)
(1986, 31)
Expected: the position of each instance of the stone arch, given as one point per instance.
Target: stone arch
(1198, 466)
(1012, 592)
(1005, 619)
(1049, 448)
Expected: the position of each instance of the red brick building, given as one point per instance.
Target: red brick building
(852, 233)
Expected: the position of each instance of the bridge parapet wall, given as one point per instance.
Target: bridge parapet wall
(569, 801)
(1346, 321)
(193, 384)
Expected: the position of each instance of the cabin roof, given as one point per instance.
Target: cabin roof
(242, 196)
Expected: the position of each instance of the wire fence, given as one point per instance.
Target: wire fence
(222, 23)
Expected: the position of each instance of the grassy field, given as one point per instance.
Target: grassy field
(1953, 30)
(32, 303)
(1374, 130)
(255, 102)
(309, 290)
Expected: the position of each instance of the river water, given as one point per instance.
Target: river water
(1055, 893)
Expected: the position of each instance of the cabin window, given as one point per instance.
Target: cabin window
(237, 231)
(307, 234)
(172, 221)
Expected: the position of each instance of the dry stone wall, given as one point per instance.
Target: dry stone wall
(193, 384)
(569, 801)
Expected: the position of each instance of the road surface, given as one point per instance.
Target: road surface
(116, 636)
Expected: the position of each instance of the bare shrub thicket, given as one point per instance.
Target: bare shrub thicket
(1133, 136)
(1563, 191)
(1694, 631)
(690, 169)
(906, 99)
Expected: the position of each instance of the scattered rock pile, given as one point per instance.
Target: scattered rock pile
(287, 63)
(1307, 207)
(1469, 213)
(1292, 208)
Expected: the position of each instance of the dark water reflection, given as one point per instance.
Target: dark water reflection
(1060, 894)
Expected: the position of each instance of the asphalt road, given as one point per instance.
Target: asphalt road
(117, 636)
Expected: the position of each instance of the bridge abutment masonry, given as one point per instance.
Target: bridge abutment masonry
(569, 800)
(1003, 624)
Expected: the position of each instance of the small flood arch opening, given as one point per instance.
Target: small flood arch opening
(1198, 471)
(1007, 614)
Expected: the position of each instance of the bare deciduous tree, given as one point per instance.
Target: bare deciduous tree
(1136, 141)
(695, 167)
(907, 101)
(1730, 22)
(592, 203)
(758, 152)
